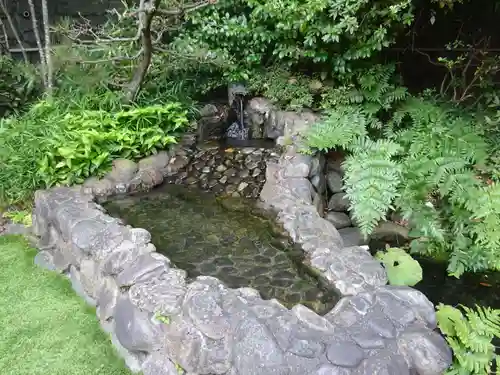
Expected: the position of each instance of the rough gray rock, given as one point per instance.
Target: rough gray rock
(385, 363)
(186, 345)
(335, 164)
(135, 329)
(344, 354)
(319, 202)
(256, 350)
(103, 187)
(334, 182)
(90, 277)
(146, 179)
(319, 183)
(123, 170)
(203, 305)
(209, 110)
(338, 202)
(391, 233)
(317, 165)
(123, 256)
(158, 363)
(146, 267)
(426, 352)
(76, 283)
(158, 161)
(175, 164)
(132, 360)
(339, 220)
(162, 295)
(45, 259)
(352, 236)
(288, 124)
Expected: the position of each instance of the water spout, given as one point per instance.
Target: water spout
(237, 130)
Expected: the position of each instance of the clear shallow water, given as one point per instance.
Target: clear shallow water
(223, 238)
(470, 289)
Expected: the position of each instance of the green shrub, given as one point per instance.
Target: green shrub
(470, 337)
(47, 146)
(19, 84)
(290, 91)
(327, 35)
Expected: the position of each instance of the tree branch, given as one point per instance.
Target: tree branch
(145, 20)
(5, 35)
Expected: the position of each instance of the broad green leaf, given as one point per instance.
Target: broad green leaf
(401, 268)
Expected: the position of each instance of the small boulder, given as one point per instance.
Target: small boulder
(339, 202)
(319, 183)
(209, 110)
(149, 178)
(334, 182)
(158, 161)
(123, 170)
(352, 237)
(338, 219)
(100, 188)
(391, 233)
(334, 163)
(319, 203)
(426, 351)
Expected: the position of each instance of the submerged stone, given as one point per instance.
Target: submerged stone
(221, 239)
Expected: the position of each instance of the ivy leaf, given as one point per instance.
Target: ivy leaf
(401, 268)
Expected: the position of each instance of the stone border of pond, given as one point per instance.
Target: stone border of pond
(288, 191)
(162, 324)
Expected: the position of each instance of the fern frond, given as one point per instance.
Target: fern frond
(470, 337)
(371, 181)
(339, 129)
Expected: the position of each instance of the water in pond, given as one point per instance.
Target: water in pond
(208, 236)
(469, 290)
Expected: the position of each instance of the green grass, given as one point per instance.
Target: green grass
(45, 328)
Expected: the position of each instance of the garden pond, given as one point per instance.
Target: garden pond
(227, 238)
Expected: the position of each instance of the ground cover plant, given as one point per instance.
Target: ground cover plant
(56, 143)
(46, 327)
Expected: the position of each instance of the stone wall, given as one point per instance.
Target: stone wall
(160, 321)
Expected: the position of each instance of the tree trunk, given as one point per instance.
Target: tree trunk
(43, 60)
(14, 30)
(48, 52)
(147, 52)
(6, 37)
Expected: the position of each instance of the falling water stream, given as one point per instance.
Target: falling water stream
(238, 130)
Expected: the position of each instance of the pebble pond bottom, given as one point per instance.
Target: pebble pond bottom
(221, 237)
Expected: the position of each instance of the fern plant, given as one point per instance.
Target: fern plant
(422, 162)
(372, 178)
(470, 333)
